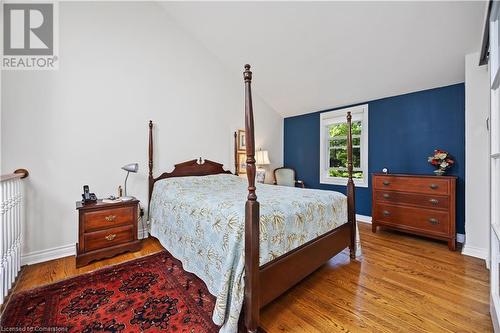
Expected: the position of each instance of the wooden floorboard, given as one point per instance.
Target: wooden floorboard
(401, 283)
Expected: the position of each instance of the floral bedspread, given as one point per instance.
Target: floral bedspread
(200, 220)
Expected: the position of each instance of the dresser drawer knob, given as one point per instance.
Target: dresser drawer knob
(110, 218)
(110, 237)
(433, 186)
(386, 196)
(386, 182)
(434, 201)
(433, 221)
(386, 213)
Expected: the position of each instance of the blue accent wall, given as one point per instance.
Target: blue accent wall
(402, 132)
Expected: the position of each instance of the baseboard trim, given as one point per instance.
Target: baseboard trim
(364, 218)
(368, 219)
(476, 252)
(48, 254)
(36, 257)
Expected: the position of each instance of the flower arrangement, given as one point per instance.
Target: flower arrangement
(441, 160)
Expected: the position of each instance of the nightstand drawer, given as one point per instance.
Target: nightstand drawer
(418, 219)
(105, 218)
(423, 200)
(427, 185)
(108, 237)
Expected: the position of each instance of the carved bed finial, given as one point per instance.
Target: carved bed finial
(249, 133)
(247, 74)
(349, 143)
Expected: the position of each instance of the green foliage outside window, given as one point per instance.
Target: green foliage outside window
(344, 174)
(341, 129)
(338, 150)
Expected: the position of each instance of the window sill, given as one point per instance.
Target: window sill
(342, 181)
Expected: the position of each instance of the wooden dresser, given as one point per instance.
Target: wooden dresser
(106, 229)
(423, 205)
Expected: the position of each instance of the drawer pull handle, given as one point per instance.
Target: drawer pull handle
(433, 186)
(434, 201)
(433, 221)
(110, 237)
(386, 195)
(386, 182)
(110, 218)
(386, 213)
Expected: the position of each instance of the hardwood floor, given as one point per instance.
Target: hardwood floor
(400, 284)
(55, 270)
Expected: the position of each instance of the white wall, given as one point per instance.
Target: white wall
(121, 64)
(477, 110)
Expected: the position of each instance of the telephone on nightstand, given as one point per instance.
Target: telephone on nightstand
(87, 196)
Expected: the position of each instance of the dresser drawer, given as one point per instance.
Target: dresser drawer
(414, 218)
(427, 185)
(423, 200)
(101, 219)
(108, 237)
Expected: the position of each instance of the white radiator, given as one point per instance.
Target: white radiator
(10, 230)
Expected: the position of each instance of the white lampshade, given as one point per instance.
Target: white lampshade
(132, 167)
(262, 157)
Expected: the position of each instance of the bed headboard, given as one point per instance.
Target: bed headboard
(196, 167)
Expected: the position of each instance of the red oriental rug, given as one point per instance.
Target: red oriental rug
(149, 294)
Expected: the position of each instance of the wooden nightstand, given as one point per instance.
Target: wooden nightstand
(105, 230)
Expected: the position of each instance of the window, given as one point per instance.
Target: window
(333, 141)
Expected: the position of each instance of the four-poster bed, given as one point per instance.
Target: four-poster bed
(269, 268)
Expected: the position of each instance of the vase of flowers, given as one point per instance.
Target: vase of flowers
(441, 160)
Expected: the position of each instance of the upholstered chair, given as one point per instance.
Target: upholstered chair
(286, 177)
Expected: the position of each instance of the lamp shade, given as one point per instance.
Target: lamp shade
(132, 167)
(262, 157)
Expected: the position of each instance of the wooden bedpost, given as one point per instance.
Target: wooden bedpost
(150, 164)
(252, 306)
(351, 206)
(236, 153)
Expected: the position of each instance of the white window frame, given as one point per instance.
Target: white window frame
(359, 113)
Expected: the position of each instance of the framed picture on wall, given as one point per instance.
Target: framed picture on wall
(242, 163)
(241, 140)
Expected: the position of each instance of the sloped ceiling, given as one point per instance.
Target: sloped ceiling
(310, 56)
